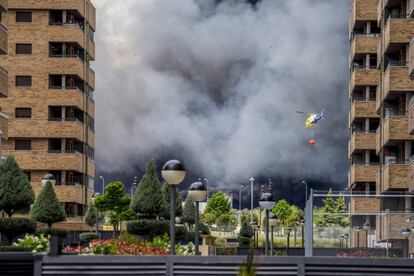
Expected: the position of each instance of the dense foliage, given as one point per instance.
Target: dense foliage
(189, 212)
(36, 243)
(47, 208)
(89, 236)
(13, 227)
(15, 190)
(246, 233)
(148, 228)
(61, 233)
(218, 205)
(165, 206)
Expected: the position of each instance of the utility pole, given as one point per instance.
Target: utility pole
(251, 198)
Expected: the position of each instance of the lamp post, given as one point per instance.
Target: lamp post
(406, 232)
(48, 178)
(288, 230)
(366, 227)
(197, 192)
(173, 172)
(306, 190)
(240, 197)
(251, 198)
(301, 223)
(96, 212)
(267, 202)
(254, 226)
(134, 186)
(103, 183)
(208, 187)
(346, 237)
(272, 222)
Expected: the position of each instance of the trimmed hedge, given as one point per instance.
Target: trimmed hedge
(61, 233)
(204, 230)
(12, 248)
(14, 227)
(148, 228)
(89, 236)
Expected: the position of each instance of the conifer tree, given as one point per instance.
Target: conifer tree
(147, 199)
(47, 208)
(16, 193)
(165, 206)
(189, 212)
(340, 210)
(330, 209)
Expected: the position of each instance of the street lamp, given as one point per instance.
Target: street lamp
(267, 202)
(48, 178)
(272, 222)
(288, 230)
(251, 198)
(301, 223)
(173, 172)
(406, 232)
(255, 225)
(306, 191)
(346, 237)
(366, 227)
(197, 192)
(240, 197)
(103, 183)
(208, 187)
(96, 212)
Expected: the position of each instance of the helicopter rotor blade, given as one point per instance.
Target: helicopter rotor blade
(300, 112)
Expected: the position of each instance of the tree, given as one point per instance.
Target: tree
(208, 219)
(47, 208)
(189, 212)
(295, 215)
(246, 233)
(227, 220)
(147, 199)
(341, 209)
(282, 210)
(90, 216)
(16, 193)
(165, 206)
(115, 202)
(218, 204)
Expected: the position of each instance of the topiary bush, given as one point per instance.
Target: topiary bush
(61, 233)
(14, 227)
(89, 236)
(148, 228)
(220, 242)
(204, 230)
(246, 233)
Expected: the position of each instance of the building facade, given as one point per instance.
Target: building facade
(3, 77)
(381, 125)
(50, 104)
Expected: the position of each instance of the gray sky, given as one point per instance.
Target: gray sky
(218, 87)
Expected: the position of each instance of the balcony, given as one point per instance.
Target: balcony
(66, 66)
(363, 109)
(91, 168)
(398, 31)
(411, 59)
(362, 173)
(90, 78)
(396, 79)
(389, 225)
(395, 177)
(4, 83)
(90, 14)
(365, 205)
(362, 141)
(411, 8)
(411, 175)
(65, 97)
(394, 128)
(362, 10)
(4, 42)
(3, 5)
(42, 160)
(364, 77)
(364, 44)
(71, 193)
(411, 117)
(4, 125)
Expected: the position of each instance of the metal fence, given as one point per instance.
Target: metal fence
(198, 265)
(370, 225)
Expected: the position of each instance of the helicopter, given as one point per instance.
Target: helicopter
(313, 119)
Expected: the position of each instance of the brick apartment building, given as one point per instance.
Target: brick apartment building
(49, 87)
(381, 116)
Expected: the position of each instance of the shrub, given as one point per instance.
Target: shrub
(204, 230)
(61, 233)
(129, 238)
(246, 233)
(13, 227)
(47, 208)
(148, 228)
(160, 242)
(13, 248)
(89, 236)
(220, 242)
(35, 243)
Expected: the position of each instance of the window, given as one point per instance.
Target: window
(23, 16)
(23, 112)
(23, 49)
(55, 81)
(23, 145)
(28, 175)
(23, 81)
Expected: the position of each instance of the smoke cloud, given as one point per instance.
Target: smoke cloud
(218, 85)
